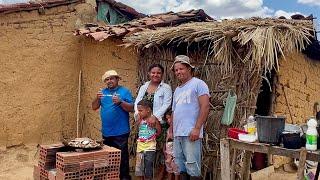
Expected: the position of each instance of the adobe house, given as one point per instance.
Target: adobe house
(40, 64)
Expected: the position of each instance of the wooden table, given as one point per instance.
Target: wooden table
(228, 172)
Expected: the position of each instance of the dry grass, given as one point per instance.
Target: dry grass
(259, 41)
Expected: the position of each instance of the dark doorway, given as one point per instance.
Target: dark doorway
(264, 108)
(264, 101)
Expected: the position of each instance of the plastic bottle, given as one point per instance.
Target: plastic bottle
(311, 135)
(251, 125)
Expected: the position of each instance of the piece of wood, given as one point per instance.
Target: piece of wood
(302, 162)
(275, 150)
(270, 159)
(245, 170)
(233, 164)
(263, 173)
(317, 171)
(228, 143)
(225, 159)
(285, 97)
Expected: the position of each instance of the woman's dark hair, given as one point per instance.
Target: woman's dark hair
(156, 65)
(145, 103)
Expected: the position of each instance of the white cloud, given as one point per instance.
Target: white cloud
(310, 2)
(13, 1)
(286, 14)
(215, 8)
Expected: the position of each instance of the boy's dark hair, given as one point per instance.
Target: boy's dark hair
(145, 103)
(168, 112)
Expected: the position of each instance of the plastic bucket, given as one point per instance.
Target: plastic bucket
(270, 128)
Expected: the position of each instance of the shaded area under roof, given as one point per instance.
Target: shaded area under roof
(11, 8)
(126, 10)
(158, 20)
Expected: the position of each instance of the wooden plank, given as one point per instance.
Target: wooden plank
(302, 162)
(245, 170)
(317, 171)
(233, 164)
(263, 173)
(225, 159)
(275, 150)
(270, 159)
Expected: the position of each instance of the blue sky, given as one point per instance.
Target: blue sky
(295, 6)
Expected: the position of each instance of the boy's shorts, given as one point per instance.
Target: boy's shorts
(145, 163)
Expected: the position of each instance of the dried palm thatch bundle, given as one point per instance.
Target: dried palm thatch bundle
(256, 40)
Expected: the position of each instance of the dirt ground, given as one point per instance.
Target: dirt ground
(17, 163)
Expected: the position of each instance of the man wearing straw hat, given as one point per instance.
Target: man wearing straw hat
(115, 103)
(190, 110)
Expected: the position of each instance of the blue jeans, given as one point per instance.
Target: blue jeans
(188, 155)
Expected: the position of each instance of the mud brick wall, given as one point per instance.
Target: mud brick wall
(97, 58)
(40, 62)
(300, 78)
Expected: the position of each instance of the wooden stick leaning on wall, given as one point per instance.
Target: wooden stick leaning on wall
(78, 104)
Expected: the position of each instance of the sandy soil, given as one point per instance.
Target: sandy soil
(17, 163)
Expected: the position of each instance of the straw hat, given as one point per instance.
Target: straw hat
(109, 74)
(182, 59)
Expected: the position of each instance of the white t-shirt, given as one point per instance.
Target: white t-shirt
(186, 106)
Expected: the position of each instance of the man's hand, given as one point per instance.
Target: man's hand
(100, 94)
(116, 99)
(152, 121)
(97, 101)
(194, 134)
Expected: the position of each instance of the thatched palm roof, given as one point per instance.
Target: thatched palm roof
(259, 41)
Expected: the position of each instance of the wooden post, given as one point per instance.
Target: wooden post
(233, 164)
(225, 159)
(245, 171)
(302, 162)
(317, 171)
(270, 159)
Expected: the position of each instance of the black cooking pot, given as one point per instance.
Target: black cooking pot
(291, 140)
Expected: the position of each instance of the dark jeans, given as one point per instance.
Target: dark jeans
(120, 142)
(149, 158)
